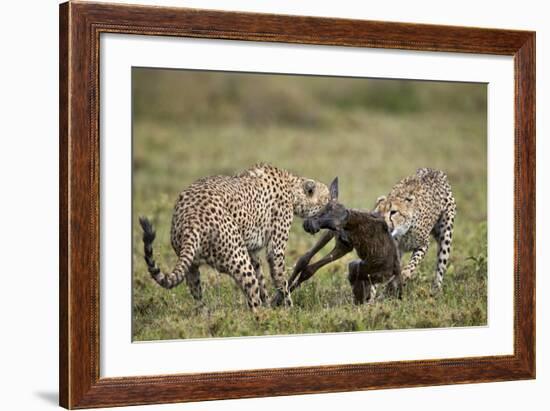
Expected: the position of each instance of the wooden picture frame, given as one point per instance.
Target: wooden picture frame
(80, 27)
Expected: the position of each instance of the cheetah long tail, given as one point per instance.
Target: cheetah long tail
(165, 280)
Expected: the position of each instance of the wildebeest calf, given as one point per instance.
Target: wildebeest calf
(368, 234)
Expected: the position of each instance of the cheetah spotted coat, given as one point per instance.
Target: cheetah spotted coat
(224, 221)
(419, 206)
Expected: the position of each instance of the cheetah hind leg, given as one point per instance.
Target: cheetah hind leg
(256, 264)
(193, 279)
(363, 290)
(444, 237)
(245, 277)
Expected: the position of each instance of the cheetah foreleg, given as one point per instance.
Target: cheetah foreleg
(276, 261)
(193, 279)
(256, 264)
(416, 257)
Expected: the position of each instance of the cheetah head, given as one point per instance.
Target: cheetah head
(311, 196)
(398, 213)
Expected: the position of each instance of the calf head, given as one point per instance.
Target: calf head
(332, 216)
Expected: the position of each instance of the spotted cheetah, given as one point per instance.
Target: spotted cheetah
(225, 221)
(417, 206)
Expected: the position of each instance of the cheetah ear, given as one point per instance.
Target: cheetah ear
(309, 187)
(379, 200)
(334, 189)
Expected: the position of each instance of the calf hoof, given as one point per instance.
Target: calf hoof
(353, 271)
(361, 292)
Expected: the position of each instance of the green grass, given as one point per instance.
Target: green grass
(369, 133)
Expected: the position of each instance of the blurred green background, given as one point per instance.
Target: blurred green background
(368, 132)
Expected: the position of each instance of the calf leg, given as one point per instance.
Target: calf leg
(302, 263)
(364, 282)
(340, 249)
(304, 260)
(362, 289)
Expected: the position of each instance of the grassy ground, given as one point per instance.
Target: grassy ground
(369, 133)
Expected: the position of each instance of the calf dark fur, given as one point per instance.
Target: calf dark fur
(365, 232)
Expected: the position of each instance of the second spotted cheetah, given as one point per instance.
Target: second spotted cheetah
(418, 206)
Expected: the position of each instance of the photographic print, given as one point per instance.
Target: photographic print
(238, 182)
(271, 204)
